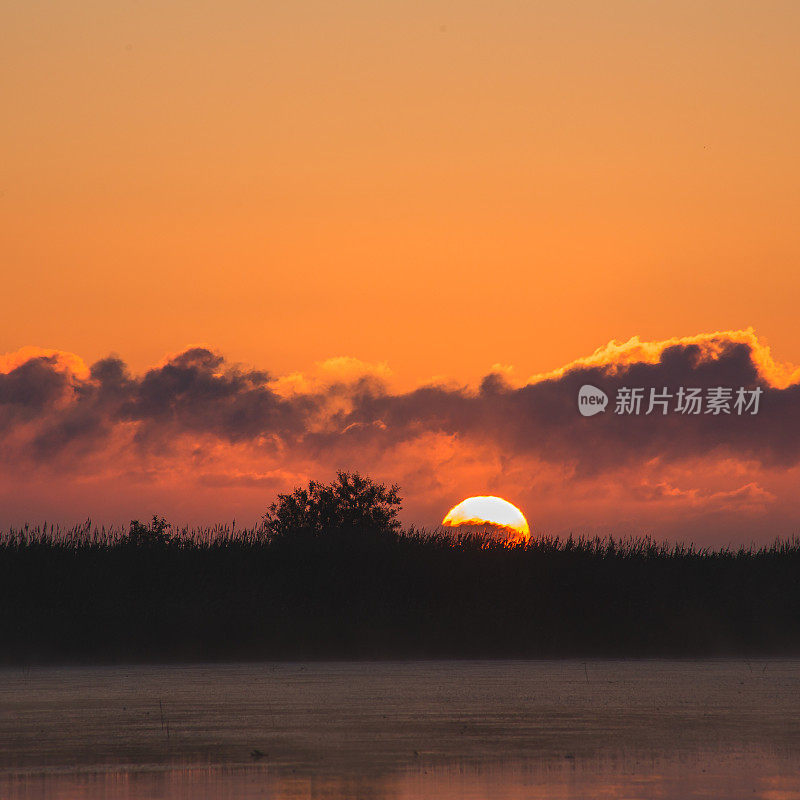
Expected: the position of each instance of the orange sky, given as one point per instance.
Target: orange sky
(439, 186)
(410, 192)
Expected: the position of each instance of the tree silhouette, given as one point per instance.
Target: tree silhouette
(157, 533)
(351, 502)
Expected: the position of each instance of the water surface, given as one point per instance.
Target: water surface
(402, 731)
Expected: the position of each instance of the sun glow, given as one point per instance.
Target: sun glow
(486, 510)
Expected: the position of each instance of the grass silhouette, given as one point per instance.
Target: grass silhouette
(151, 593)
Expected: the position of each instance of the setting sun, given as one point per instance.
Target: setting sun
(493, 511)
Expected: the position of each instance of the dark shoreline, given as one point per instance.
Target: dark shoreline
(355, 595)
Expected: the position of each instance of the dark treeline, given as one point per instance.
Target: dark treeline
(215, 594)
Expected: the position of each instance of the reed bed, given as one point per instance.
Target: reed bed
(153, 592)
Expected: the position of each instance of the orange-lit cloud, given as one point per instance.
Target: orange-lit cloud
(60, 361)
(616, 356)
(203, 437)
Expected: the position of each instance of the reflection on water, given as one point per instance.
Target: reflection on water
(715, 780)
(404, 731)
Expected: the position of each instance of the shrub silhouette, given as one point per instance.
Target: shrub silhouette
(157, 533)
(351, 502)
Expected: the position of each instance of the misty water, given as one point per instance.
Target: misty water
(493, 729)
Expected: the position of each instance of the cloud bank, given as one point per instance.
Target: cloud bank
(230, 436)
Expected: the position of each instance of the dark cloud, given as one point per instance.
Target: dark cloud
(27, 390)
(541, 418)
(198, 393)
